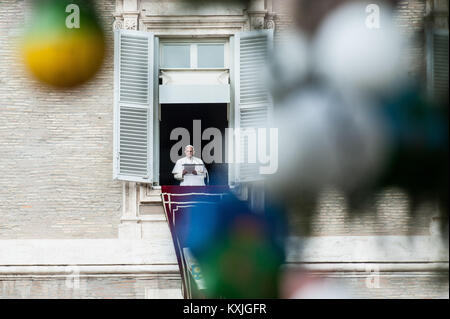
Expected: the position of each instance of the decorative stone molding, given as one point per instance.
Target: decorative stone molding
(175, 18)
(193, 25)
(170, 21)
(142, 25)
(257, 21)
(118, 23)
(270, 24)
(246, 26)
(118, 18)
(130, 22)
(257, 12)
(127, 14)
(270, 21)
(21, 272)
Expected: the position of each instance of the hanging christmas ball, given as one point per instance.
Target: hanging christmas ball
(64, 43)
(239, 251)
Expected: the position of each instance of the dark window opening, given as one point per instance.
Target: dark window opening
(183, 115)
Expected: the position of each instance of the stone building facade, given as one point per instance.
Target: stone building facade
(69, 230)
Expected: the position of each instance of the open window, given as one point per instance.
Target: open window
(138, 93)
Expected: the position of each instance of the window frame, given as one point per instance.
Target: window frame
(162, 55)
(193, 43)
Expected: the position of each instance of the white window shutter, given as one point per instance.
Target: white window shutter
(252, 101)
(440, 65)
(133, 105)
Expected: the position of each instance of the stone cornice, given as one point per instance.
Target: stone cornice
(162, 23)
(16, 272)
(340, 269)
(195, 25)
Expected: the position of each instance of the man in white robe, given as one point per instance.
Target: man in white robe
(197, 178)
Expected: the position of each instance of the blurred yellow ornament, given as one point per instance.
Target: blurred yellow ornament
(65, 62)
(59, 55)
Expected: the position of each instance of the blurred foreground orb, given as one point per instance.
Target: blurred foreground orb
(339, 142)
(289, 64)
(351, 54)
(64, 44)
(239, 252)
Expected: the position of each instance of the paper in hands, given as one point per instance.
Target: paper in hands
(190, 168)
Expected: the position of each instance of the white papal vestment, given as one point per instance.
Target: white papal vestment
(190, 179)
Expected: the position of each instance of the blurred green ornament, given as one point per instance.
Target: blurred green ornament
(242, 268)
(239, 252)
(64, 43)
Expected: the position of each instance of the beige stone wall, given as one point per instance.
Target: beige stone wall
(94, 287)
(284, 19)
(389, 285)
(400, 285)
(410, 19)
(56, 146)
(388, 214)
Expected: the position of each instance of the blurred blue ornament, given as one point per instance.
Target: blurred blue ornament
(239, 251)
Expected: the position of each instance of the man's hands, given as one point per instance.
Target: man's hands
(185, 172)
